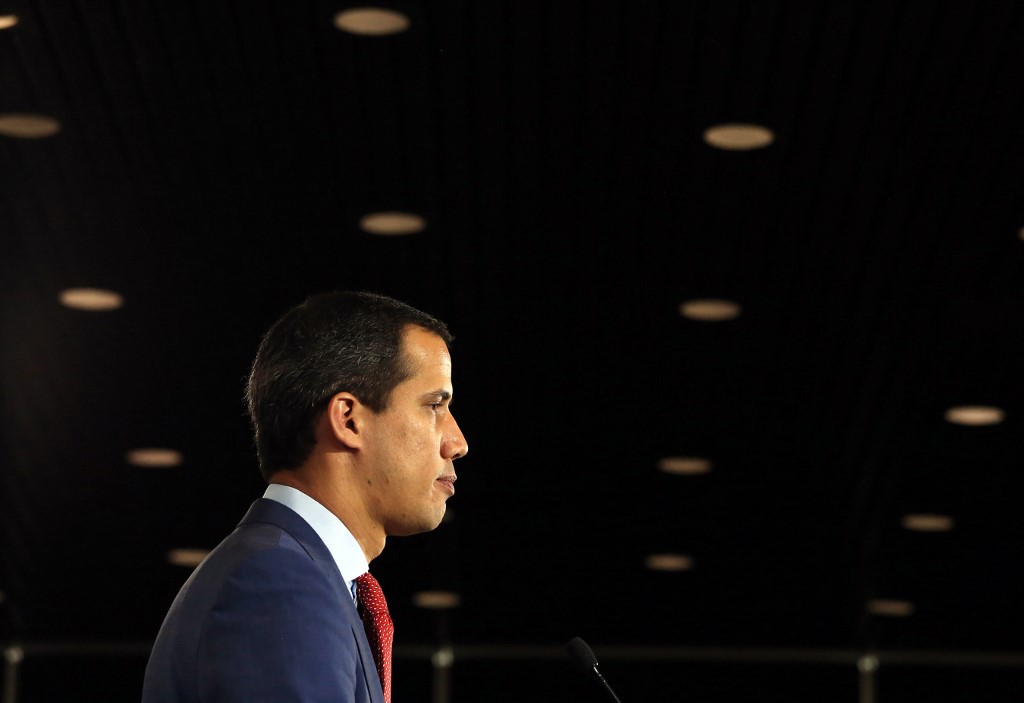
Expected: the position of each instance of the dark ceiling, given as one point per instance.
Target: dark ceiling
(213, 165)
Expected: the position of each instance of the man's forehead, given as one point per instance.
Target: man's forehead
(426, 350)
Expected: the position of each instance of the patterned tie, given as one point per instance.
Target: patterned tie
(380, 631)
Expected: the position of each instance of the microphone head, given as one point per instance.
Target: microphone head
(581, 653)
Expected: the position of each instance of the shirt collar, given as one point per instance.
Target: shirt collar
(347, 553)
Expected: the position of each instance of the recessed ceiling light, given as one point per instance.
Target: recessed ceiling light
(187, 557)
(8, 21)
(710, 310)
(442, 658)
(392, 223)
(92, 299)
(436, 600)
(928, 522)
(867, 663)
(154, 457)
(975, 415)
(669, 562)
(738, 137)
(684, 465)
(26, 126)
(371, 21)
(890, 608)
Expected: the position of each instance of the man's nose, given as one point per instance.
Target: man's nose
(454, 445)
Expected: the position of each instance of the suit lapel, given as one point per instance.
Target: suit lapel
(370, 675)
(270, 511)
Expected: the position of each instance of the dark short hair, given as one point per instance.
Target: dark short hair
(332, 342)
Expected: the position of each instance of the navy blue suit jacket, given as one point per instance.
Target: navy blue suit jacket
(266, 617)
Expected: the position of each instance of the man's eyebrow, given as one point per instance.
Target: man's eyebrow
(440, 394)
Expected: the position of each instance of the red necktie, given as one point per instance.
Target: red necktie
(380, 631)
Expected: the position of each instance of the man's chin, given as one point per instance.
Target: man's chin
(428, 524)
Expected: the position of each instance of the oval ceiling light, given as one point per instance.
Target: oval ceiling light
(710, 310)
(154, 457)
(8, 21)
(91, 299)
(28, 126)
(436, 600)
(738, 137)
(187, 557)
(371, 21)
(684, 465)
(392, 223)
(927, 522)
(890, 608)
(975, 415)
(669, 562)
(867, 663)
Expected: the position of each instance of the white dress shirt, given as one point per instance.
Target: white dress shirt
(347, 553)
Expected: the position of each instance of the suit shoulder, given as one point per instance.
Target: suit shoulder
(279, 626)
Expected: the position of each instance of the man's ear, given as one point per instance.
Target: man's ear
(346, 419)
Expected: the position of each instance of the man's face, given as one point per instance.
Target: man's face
(412, 444)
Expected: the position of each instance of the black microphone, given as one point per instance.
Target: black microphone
(583, 655)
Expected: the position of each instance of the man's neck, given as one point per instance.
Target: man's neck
(322, 485)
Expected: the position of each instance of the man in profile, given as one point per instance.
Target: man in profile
(349, 397)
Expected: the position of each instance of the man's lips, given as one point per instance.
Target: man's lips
(448, 483)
